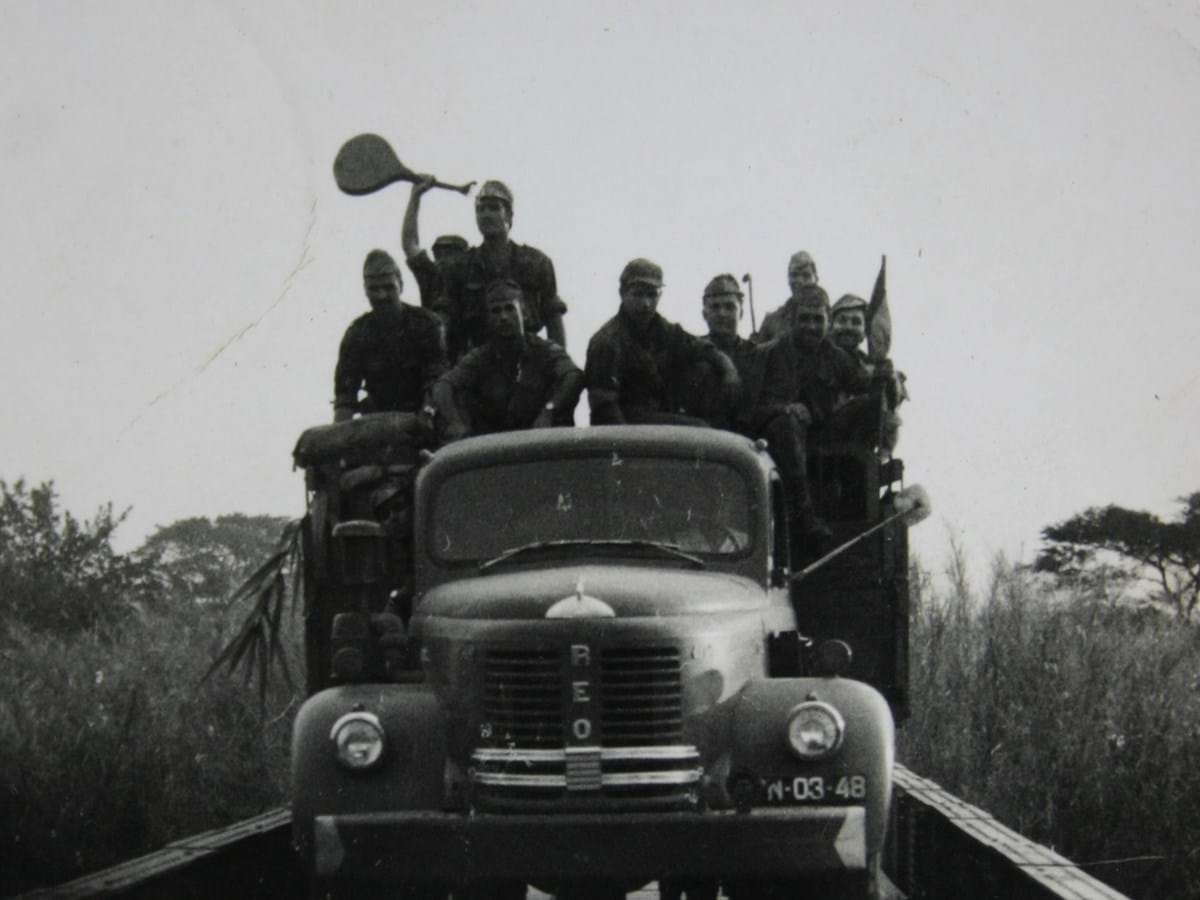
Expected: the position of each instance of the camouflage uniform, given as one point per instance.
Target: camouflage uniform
(395, 354)
(427, 270)
(642, 368)
(701, 394)
(496, 392)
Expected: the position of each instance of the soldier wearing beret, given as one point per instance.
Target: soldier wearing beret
(427, 271)
(802, 281)
(393, 353)
(636, 361)
(515, 380)
(466, 276)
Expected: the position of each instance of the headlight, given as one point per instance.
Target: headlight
(358, 740)
(815, 730)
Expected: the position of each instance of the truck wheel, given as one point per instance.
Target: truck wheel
(319, 889)
(688, 889)
(491, 890)
(590, 892)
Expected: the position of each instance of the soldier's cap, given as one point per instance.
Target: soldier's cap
(379, 263)
(801, 258)
(642, 271)
(450, 240)
(813, 297)
(502, 289)
(847, 303)
(495, 190)
(723, 284)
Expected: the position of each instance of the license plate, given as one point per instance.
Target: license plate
(816, 789)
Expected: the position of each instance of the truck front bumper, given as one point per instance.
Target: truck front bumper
(448, 847)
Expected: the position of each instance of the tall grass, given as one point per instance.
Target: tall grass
(1069, 716)
(110, 745)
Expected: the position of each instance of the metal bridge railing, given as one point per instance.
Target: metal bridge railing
(943, 848)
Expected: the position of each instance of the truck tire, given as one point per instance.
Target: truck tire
(321, 889)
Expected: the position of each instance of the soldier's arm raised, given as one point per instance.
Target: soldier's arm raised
(410, 241)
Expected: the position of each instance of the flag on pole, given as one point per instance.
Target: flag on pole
(879, 318)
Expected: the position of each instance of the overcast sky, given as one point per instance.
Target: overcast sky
(178, 265)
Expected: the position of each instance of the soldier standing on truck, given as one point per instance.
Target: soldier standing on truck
(394, 352)
(427, 271)
(636, 361)
(802, 281)
(466, 276)
(516, 380)
(848, 329)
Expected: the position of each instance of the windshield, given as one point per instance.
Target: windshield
(698, 507)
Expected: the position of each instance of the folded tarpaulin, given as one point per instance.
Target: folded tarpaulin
(379, 437)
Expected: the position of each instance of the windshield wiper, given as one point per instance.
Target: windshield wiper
(669, 550)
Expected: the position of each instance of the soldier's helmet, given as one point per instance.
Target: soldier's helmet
(495, 190)
(847, 303)
(642, 271)
(723, 284)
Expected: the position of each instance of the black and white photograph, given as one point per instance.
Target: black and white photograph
(603, 450)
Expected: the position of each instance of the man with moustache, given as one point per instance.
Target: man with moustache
(465, 278)
(515, 380)
(636, 361)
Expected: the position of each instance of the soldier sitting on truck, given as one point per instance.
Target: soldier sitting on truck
(813, 374)
(848, 329)
(427, 271)
(516, 380)
(636, 361)
(466, 276)
(702, 396)
(394, 352)
(802, 281)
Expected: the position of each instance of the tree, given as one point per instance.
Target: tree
(1134, 544)
(204, 560)
(59, 573)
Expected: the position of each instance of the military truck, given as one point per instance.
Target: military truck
(580, 659)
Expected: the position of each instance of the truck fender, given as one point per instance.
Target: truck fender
(409, 775)
(762, 755)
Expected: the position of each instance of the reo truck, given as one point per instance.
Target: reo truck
(580, 659)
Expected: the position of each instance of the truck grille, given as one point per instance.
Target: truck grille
(522, 697)
(641, 696)
(531, 752)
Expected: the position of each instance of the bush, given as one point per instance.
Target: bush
(111, 747)
(61, 574)
(1071, 718)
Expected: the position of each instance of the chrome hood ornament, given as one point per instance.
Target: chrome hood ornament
(580, 606)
